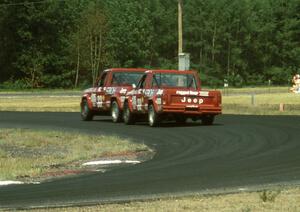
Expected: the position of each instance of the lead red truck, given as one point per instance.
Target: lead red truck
(107, 96)
(171, 94)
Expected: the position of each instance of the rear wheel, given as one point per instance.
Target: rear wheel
(153, 117)
(86, 113)
(115, 112)
(208, 120)
(128, 116)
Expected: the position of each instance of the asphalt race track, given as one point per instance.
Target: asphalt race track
(236, 152)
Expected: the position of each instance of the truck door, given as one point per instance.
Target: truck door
(138, 101)
(100, 92)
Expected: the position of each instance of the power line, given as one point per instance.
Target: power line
(25, 3)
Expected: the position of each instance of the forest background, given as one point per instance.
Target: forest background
(67, 43)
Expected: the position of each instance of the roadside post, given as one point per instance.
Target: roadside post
(253, 99)
(281, 107)
(226, 85)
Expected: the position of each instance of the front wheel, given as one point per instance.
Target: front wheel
(153, 116)
(128, 116)
(115, 112)
(86, 113)
(208, 120)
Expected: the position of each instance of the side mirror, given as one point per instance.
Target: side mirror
(134, 86)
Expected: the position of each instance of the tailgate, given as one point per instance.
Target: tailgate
(203, 98)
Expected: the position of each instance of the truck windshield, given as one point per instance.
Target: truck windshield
(126, 78)
(174, 80)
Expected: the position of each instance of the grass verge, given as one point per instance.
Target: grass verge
(269, 200)
(28, 154)
(262, 104)
(40, 103)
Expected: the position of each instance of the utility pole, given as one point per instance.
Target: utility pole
(180, 44)
(183, 58)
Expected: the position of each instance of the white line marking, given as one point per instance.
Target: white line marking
(11, 182)
(109, 162)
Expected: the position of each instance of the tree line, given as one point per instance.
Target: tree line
(67, 43)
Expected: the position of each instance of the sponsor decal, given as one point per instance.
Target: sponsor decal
(134, 102)
(90, 90)
(149, 92)
(93, 98)
(100, 100)
(123, 99)
(203, 93)
(195, 93)
(123, 91)
(110, 90)
(160, 92)
(139, 104)
(99, 104)
(192, 100)
(131, 92)
(158, 101)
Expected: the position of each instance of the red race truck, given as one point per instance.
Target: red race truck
(107, 96)
(171, 94)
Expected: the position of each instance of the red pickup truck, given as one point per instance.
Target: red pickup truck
(107, 96)
(165, 94)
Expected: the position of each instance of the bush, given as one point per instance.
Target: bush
(278, 75)
(15, 85)
(269, 196)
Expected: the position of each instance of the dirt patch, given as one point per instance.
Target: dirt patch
(31, 156)
(76, 167)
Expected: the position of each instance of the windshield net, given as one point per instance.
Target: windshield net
(174, 80)
(126, 78)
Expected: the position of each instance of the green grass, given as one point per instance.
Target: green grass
(255, 90)
(264, 104)
(40, 103)
(285, 200)
(267, 102)
(30, 154)
(239, 103)
(38, 91)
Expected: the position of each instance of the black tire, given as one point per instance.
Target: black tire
(208, 120)
(180, 119)
(153, 116)
(116, 114)
(86, 113)
(128, 116)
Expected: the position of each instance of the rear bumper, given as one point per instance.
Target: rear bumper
(200, 110)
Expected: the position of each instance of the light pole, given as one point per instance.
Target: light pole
(180, 44)
(183, 58)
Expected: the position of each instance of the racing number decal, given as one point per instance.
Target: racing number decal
(139, 104)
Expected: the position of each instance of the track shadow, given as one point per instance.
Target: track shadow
(164, 124)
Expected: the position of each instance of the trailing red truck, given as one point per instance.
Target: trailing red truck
(107, 96)
(171, 94)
